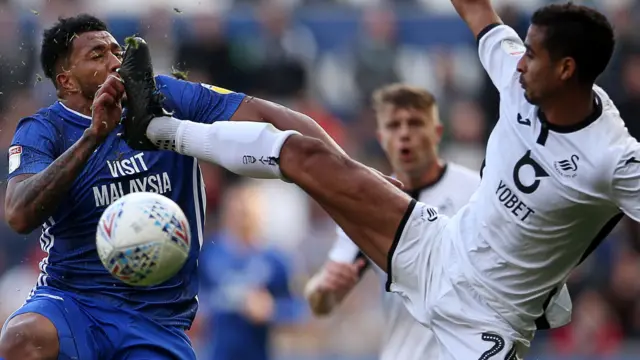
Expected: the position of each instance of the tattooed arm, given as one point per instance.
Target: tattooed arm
(31, 198)
(37, 182)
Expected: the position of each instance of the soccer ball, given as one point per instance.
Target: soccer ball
(143, 238)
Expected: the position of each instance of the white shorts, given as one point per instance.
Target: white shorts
(424, 271)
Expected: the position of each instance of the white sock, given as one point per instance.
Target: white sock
(246, 148)
(162, 132)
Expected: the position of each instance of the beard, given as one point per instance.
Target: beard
(89, 91)
(530, 99)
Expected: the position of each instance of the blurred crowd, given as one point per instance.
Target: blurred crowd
(324, 58)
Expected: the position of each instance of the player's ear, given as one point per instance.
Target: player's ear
(439, 131)
(66, 83)
(567, 68)
(438, 127)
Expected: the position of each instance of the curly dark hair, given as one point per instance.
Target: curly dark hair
(58, 40)
(579, 32)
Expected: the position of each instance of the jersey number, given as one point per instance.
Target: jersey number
(498, 345)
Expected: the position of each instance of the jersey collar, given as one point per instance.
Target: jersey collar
(73, 111)
(415, 193)
(69, 115)
(595, 115)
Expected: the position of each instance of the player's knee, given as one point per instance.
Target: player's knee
(29, 337)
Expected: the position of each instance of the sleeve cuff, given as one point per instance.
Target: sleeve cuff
(396, 240)
(485, 31)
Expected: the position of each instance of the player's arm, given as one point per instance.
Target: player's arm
(478, 14)
(39, 182)
(38, 179)
(340, 274)
(499, 46)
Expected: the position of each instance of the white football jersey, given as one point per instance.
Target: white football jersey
(404, 338)
(549, 194)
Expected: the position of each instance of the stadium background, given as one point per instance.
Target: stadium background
(324, 57)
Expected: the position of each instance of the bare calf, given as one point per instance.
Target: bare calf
(365, 205)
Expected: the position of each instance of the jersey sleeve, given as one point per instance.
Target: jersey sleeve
(626, 180)
(33, 147)
(500, 48)
(198, 102)
(344, 250)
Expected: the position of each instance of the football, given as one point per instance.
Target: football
(143, 239)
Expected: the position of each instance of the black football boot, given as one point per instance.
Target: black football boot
(143, 100)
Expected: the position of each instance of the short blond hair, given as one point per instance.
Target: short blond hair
(403, 96)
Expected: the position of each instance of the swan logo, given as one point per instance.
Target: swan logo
(568, 167)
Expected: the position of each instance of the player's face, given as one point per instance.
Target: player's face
(539, 75)
(94, 56)
(409, 137)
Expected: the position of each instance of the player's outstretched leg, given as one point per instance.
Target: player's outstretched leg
(366, 206)
(29, 336)
(363, 203)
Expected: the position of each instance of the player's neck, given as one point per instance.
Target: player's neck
(79, 104)
(572, 109)
(429, 177)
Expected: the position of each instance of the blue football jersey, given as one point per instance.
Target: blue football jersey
(228, 272)
(114, 170)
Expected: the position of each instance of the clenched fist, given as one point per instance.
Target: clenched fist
(332, 284)
(106, 110)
